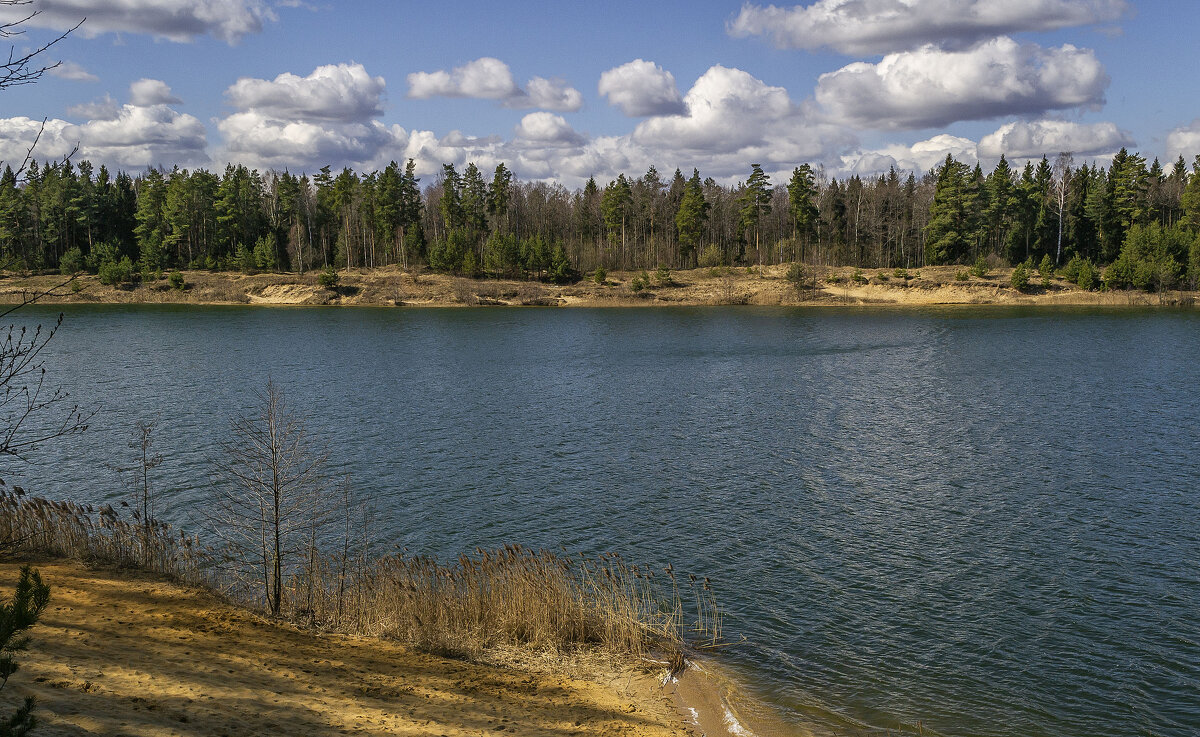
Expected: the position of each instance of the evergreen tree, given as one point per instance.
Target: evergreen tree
(802, 207)
(689, 220)
(754, 204)
(947, 235)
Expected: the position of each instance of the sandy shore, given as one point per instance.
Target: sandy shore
(123, 653)
(392, 286)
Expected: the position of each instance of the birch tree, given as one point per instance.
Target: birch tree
(268, 495)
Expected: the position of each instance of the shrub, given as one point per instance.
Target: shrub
(835, 278)
(858, 277)
(961, 275)
(980, 269)
(1046, 269)
(17, 615)
(328, 278)
(882, 276)
(663, 277)
(114, 273)
(797, 276)
(901, 274)
(1086, 277)
(1070, 272)
(561, 271)
(175, 279)
(711, 256)
(640, 282)
(1020, 278)
(601, 276)
(71, 262)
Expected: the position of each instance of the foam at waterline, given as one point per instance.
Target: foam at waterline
(710, 698)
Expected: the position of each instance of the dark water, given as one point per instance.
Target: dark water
(986, 520)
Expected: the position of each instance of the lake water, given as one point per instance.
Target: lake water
(982, 520)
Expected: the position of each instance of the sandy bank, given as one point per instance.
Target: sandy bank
(392, 286)
(123, 653)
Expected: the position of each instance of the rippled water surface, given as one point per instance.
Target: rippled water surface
(984, 520)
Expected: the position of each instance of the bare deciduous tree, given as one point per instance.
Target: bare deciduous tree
(270, 495)
(25, 66)
(30, 413)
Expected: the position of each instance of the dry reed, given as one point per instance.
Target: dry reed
(512, 596)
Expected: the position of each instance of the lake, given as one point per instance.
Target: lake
(982, 520)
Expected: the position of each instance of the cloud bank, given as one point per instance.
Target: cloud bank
(869, 27)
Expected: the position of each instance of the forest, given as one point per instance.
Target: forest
(1133, 222)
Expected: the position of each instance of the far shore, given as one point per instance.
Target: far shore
(762, 285)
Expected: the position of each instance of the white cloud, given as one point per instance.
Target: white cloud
(103, 109)
(930, 87)
(919, 157)
(73, 71)
(1184, 141)
(641, 88)
(863, 27)
(335, 93)
(17, 136)
(488, 78)
(725, 108)
(547, 129)
(263, 142)
(547, 94)
(147, 92)
(127, 137)
(175, 20)
(1032, 140)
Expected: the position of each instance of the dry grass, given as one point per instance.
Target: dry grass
(509, 597)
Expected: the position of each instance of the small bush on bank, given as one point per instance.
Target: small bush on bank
(328, 278)
(1020, 278)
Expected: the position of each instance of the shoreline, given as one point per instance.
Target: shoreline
(126, 651)
(758, 286)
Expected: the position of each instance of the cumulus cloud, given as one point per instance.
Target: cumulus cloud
(547, 129)
(731, 119)
(489, 78)
(105, 108)
(326, 117)
(547, 94)
(147, 92)
(931, 87)
(641, 88)
(1032, 140)
(130, 136)
(864, 27)
(1184, 141)
(260, 141)
(335, 93)
(919, 157)
(725, 107)
(175, 20)
(73, 71)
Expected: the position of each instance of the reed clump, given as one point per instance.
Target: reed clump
(513, 596)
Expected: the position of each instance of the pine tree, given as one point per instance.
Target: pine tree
(754, 204)
(689, 220)
(802, 208)
(16, 616)
(947, 235)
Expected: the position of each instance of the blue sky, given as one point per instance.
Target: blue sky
(562, 91)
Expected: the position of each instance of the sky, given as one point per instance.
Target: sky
(562, 91)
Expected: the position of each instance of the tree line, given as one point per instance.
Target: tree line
(62, 215)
